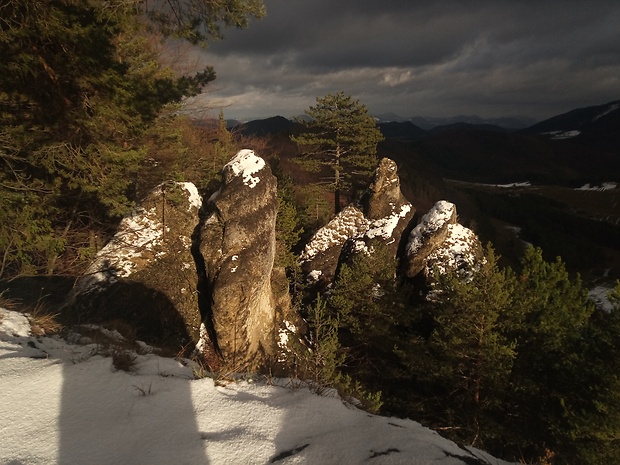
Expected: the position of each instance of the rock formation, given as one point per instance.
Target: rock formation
(388, 211)
(439, 242)
(237, 249)
(146, 274)
(382, 215)
(177, 262)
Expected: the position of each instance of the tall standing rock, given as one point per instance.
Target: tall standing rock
(388, 211)
(237, 245)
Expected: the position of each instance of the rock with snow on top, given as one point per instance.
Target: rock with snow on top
(237, 246)
(460, 250)
(381, 216)
(146, 274)
(388, 211)
(320, 257)
(384, 196)
(439, 241)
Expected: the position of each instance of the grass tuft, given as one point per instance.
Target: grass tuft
(43, 322)
(123, 359)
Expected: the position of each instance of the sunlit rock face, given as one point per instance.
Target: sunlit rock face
(237, 245)
(145, 275)
(380, 217)
(386, 208)
(384, 197)
(439, 243)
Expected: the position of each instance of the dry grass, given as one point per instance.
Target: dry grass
(144, 391)
(7, 304)
(43, 322)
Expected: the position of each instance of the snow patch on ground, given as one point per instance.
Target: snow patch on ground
(65, 403)
(13, 324)
(557, 135)
(611, 108)
(600, 296)
(514, 184)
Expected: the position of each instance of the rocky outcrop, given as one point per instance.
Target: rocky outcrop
(236, 248)
(388, 211)
(145, 275)
(320, 257)
(384, 197)
(438, 242)
(381, 216)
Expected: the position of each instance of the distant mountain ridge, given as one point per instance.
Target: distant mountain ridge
(577, 119)
(428, 123)
(596, 126)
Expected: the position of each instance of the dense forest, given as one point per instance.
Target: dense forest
(515, 359)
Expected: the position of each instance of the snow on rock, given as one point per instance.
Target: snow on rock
(350, 222)
(436, 219)
(457, 251)
(314, 276)
(237, 247)
(195, 200)
(246, 164)
(139, 239)
(148, 267)
(606, 186)
(438, 241)
(381, 215)
(66, 404)
(384, 227)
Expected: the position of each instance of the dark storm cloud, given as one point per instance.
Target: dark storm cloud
(439, 58)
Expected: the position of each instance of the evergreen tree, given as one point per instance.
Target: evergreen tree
(371, 306)
(80, 82)
(564, 385)
(342, 135)
(469, 349)
(200, 20)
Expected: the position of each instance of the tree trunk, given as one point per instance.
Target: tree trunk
(337, 181)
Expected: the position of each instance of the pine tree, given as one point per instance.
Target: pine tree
(371, 305)
(470, 348)
(80, 82)
(565, 382)
(342, 135)
(198, 20)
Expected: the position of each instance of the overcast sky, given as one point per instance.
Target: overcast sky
(535, 58)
